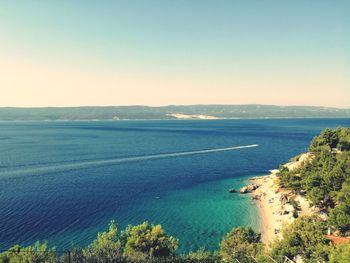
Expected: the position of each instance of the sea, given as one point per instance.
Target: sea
(62, 182)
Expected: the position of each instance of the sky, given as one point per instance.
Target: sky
(160, 52)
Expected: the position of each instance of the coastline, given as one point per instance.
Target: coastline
(274, 205)
(265, 198)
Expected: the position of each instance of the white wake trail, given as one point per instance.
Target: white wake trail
(98, 163)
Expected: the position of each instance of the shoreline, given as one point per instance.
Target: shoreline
(274, 205)
(263, 198)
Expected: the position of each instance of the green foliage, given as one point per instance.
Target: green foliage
(142, 243)
(344, 139)
(328, 139)
(32, 254)
(75, 255)
(296, 207)
(339, 217)
(179, 259)
(340, 254)
(202, 256)
(289, 179)
(343, 196)
(241, 244)
(304, 237)
(106, 248)
(326, 179)
(147, 241)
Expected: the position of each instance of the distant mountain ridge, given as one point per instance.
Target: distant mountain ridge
(171, 112)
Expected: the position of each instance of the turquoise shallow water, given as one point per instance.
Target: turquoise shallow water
(207, 210)
(58, 183)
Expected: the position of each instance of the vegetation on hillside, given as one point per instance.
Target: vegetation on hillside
(325, 181)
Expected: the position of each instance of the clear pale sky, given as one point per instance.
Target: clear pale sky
(159, 52)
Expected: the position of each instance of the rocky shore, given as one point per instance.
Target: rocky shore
(249, 188)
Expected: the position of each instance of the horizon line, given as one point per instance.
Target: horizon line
(176, 105)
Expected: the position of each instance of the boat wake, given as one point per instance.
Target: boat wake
(98, 163)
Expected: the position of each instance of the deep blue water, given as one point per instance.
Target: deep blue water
(56, 185)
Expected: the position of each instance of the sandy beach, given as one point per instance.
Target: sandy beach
(268, 198)
(274, 206)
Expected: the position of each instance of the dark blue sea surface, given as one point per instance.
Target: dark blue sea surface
(65, 181)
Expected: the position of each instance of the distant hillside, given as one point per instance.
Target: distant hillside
(171, 112)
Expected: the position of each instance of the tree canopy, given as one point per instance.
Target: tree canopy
(326, 179)
(147, 241)
(241, 244)
(305, 237)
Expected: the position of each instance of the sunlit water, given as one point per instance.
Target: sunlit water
(64, 181)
